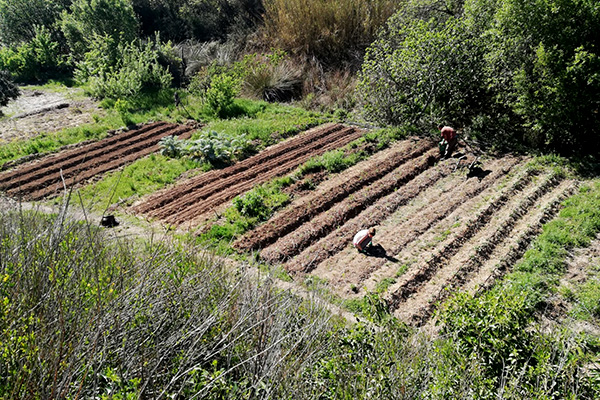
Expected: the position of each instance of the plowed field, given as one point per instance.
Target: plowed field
(189, 200)
(439, 230)
(47, 176)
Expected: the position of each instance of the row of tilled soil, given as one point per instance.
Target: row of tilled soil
(47, 176)
(178, 193)
(417, 277)
(191, 199)
(466, 266)
(333, 252)
(378, 177)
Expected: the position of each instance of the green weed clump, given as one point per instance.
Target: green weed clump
(247, 211)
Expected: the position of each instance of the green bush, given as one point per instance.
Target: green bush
(8, 90)
(219, 95)
(36, 60)
(507, 73)
(88, 19)
(124, 70)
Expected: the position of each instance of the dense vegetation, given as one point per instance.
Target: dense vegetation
(507, 72)
(87, 316)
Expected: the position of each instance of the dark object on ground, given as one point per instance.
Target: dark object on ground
(379, 252)
(109, 221)
(475, 170)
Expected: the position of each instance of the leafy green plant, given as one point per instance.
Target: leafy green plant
(215, 147)
(122, 107)
(171, 146)
(220, 94)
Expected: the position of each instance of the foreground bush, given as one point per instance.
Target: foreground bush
(81, 318)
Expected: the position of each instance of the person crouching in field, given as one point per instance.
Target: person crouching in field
(363, 239)
(448, 142)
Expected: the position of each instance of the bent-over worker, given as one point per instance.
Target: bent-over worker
(449, 140)
(363, 238)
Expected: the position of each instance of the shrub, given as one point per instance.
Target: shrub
(88, 19)
(8, 90)
(38, 59)
(270, 77)
(220, 94)
(124, 70)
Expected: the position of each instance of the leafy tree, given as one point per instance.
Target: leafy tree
(8, 90)
(507, 72)
(38, 59)
(18, 19)
(422, 69)
(88, 18)
(546, 65)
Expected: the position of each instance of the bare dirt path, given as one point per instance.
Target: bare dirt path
(37, 111)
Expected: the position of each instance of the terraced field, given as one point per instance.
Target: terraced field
(189, 201)
(49, 175)
(439, 230)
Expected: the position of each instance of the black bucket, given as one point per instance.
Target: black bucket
(109, 221)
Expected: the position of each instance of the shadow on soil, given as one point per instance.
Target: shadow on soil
(379, 252)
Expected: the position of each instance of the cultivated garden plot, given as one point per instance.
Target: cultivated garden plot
(439, 229)
(188, 201)
(48, 176)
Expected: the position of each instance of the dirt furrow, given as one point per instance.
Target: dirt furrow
(341, 212)
(361, 266)
(240, 184)
(454, 261)
(324, 198)
(510, 250)
(53, 184)
(73, 170)
(78, 156)
(280, 165)
(413, 281)
(169, 195)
